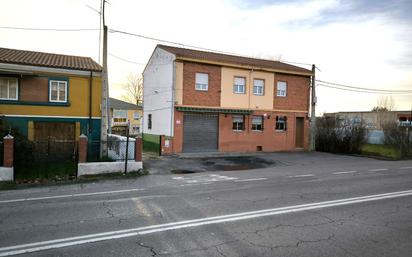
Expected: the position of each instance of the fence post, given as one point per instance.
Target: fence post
(82, 148)
(8, 142)
(138, 149)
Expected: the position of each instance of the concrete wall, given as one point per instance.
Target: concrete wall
(6, 173)
(158, 79)
(94, 168)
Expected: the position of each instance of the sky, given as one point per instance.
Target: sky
(359, 43)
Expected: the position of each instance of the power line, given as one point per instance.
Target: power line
(364, 89)
(126, 60)
(195, 47)
(47, 29)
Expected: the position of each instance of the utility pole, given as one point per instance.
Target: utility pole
(313, 113)
(104, 99)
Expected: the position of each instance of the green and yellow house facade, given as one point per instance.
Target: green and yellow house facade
(50, 96)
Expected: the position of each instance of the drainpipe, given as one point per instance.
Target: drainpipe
(90, 102)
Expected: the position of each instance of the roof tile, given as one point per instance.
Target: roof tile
(24, 57)
(232, 59)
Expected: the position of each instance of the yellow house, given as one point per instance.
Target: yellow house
(122, 113)
(50, 97)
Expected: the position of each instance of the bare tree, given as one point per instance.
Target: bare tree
(134, 89)
(385, 104)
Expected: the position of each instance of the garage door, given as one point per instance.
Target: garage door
(200, 132)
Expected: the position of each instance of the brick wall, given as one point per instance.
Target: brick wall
(297, 94)
(203, 98)
(269, 139)
(34, 89)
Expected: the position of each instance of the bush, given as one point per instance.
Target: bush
(399, 138)
(331, 136)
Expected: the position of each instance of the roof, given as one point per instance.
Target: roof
(232, 59)
(61, 61)
(122, 105)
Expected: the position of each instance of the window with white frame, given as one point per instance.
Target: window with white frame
(58, 91)
(8, 89)
(239, 86)
(238, 122)
(281, 88)
(136, 115)
(136, 129)
(119, 115)
(281, 123)
(202, 81)
(257, 123)
(258, 86)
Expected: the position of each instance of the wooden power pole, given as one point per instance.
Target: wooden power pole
(313, 112)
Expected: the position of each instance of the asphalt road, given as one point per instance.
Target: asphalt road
(315, 205)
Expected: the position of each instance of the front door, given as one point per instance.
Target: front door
(299, 132)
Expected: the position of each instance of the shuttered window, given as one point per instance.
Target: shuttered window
(238, 122)
(257, 123)
(202, 81)
(281, 123)
(239, 86)
(258, 86)
(281, 88)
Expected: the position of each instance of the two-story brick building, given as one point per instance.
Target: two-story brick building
(206, 101)
(51, 98)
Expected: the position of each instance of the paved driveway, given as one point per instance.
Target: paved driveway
(195, 163)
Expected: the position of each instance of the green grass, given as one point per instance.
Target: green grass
(26, 183)
(381, 150)
(43, 172)
(151, 143)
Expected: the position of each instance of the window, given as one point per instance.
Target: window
(281, 89)
(119, 115)
(257, 123)
(239, 85)
(136, 115)
(258, 86)
(58, 91)
(281, 123)
(136, 129)
(149, 121)
(8, 89)
(202, 81)
(238, 122)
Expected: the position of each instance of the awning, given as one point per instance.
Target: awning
(212, 110)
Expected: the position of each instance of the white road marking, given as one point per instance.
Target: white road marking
(71, 195)
(302, 176)
(250, 179)
(204, 179)
(345, 172)
(405, 168)
(378, 169)
(91, 238)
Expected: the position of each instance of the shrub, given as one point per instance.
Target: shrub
(336, 137)
(398, 137)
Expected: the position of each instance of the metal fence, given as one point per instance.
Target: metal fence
(117, 147)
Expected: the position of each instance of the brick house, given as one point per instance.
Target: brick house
(51, 98)
(205, 101)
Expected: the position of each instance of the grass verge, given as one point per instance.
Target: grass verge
(52, 176)
(381, 151)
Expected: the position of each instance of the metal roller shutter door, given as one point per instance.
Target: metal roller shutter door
(200, 132)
